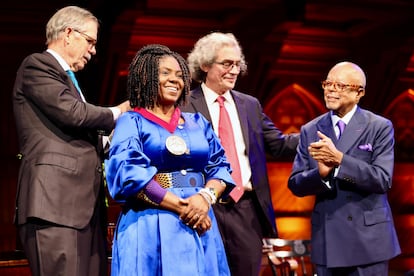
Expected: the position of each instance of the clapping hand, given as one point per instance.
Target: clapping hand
(326, 154)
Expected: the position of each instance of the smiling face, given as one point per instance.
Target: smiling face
(344, 87)
(221, 77)
(171, 81)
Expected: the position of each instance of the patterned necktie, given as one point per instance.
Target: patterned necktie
(229, 144)
(341, 125)
(74, 80)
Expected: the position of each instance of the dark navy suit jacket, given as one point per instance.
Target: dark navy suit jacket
(352, 222)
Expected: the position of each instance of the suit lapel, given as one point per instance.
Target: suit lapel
(64, 75)
(353, 131)
(244, 122)
(199, 103)
(73, 90)
(325, 126)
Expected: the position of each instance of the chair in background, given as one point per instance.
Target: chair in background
(279, 267)
(296, 253)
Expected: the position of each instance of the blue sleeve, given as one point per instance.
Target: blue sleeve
(218, 167)
(127, 168)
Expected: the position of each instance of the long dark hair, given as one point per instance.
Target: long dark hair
(143, 82)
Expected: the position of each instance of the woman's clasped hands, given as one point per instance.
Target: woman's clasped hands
(195, 213)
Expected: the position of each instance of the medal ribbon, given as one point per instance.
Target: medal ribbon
(171, 126)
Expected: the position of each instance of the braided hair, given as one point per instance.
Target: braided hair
(143, 81)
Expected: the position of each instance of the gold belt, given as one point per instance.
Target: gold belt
(180, 179)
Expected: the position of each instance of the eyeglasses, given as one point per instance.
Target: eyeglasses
(91, 41)
(340, 86)
(229, 64)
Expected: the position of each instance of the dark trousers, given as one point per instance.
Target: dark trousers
(241, 231)
(375, 269)
(58, 250)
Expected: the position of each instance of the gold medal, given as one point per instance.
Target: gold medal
(176, 145)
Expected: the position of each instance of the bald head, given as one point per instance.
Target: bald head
(349, 73)
(344, 87)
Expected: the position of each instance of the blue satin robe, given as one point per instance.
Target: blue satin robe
(151, 241)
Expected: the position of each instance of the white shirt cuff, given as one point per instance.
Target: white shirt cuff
(116, 111)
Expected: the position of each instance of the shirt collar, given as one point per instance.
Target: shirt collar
(346, 118)
(61, 61)
(211, 96)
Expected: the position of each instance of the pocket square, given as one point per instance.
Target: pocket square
(366, 147)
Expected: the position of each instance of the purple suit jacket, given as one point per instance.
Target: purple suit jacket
(352, 222)
(60, 174)
(260, 136)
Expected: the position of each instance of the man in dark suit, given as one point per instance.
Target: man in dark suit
(59, 195)
(349, 168)
(215, 62)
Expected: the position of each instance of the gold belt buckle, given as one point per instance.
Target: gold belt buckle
(228, 200)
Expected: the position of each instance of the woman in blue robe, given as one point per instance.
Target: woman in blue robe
(166, 168)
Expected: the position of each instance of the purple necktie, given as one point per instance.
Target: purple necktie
(341, 125)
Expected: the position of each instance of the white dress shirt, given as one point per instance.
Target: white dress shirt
(214, 109)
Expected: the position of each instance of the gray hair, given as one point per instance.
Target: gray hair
(70, 16)
(205, 51)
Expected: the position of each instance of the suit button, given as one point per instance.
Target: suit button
(99, 169)
(349, 218)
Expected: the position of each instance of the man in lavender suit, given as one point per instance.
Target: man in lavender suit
(350, 172)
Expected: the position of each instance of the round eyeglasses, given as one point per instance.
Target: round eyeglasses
(229, 64)
(90, 40)
(339, 86)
